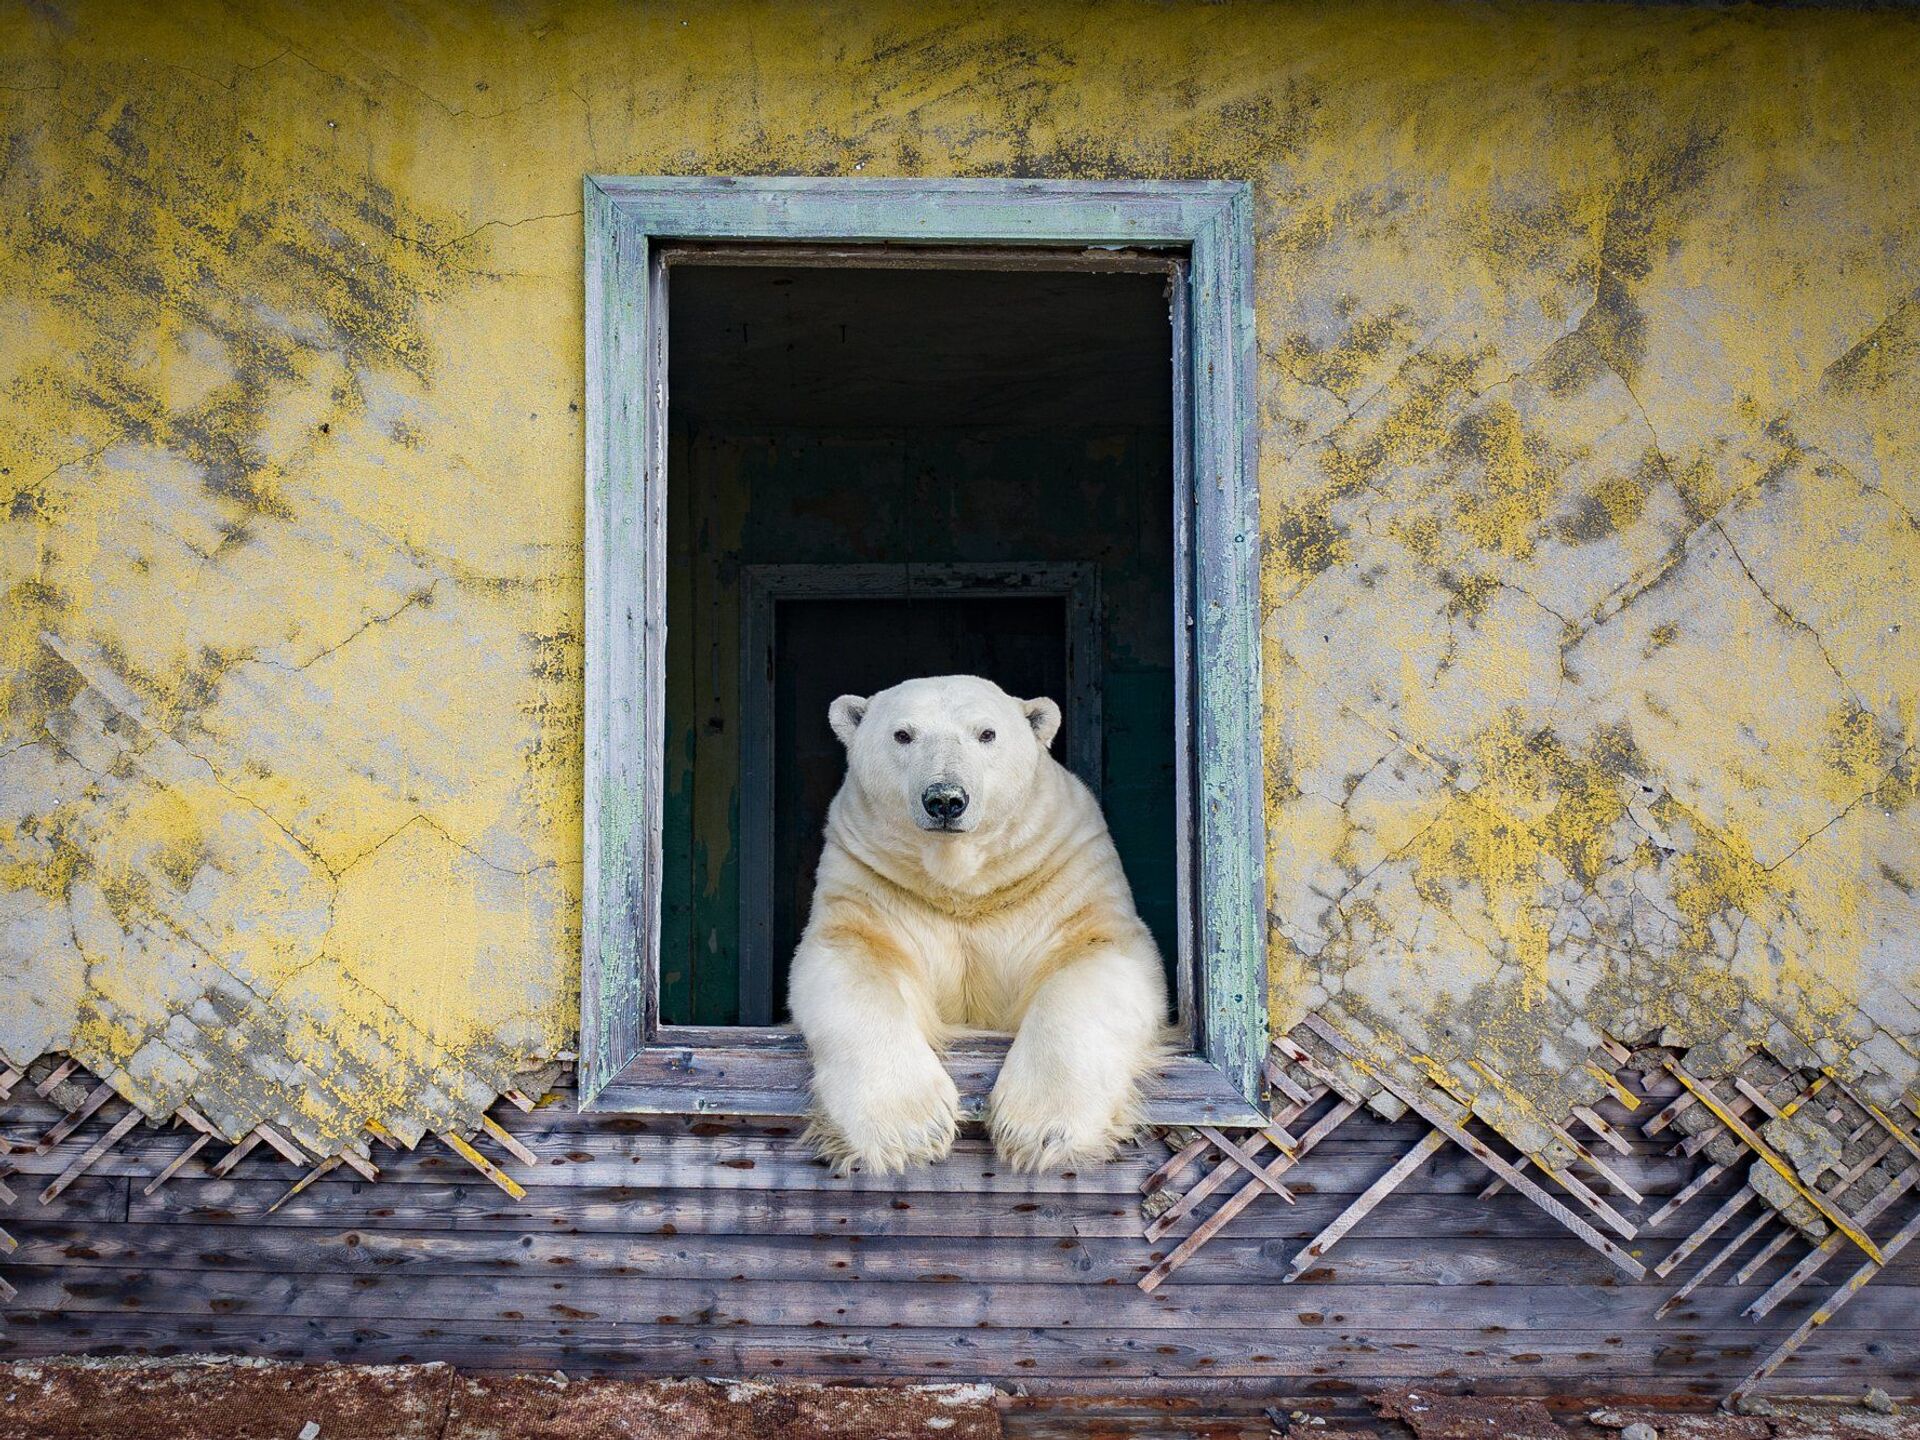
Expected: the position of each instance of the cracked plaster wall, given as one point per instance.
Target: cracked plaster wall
(1590, 411)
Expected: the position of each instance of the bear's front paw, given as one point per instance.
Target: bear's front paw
(1040, 1122)
(883, 1121)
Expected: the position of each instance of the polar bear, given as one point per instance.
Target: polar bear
(968, 882)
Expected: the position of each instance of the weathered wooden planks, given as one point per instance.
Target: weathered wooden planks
(738, 1251)
(1236, 1258)
(1096, 1360)
(1055, 1303)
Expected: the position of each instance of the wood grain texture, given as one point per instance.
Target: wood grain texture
(620, 881)
(686, 1245)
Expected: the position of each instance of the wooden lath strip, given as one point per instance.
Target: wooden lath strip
(1364, 1204)
(1667, 1114)
(1189, 1152)
(1608, 1136)
(518, 1100)
(9, 1077)
(92, 1153)
(1278, 1078)
(1571, 1183)
(288, 1150)
(7, 1243)
(1483, 1153)
(1709, 1227)
(1246, 1162)
(1692, 1188)
(1892, 1126)
(1691, 1145)
(1227, 1169)
(55, 1076)
(1242, 1198)
(1765, 1253)
(75, 1118)
(7, 1197)
(1300, 1056)
(1810, 1263)
(7, 1292)
(485, 1166)
(1175, 1165)
(1684, 1195)
(1787, 1232)
(1724, 1114)
(224, 1165)
(506, 1141)
(1620, 1092)
(1712, 1263)
(1830, 1307)
(1615, 1051)
(326, 1166)
(174, 1166)
(1219, 1175)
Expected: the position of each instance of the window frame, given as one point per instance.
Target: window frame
(628, 1060)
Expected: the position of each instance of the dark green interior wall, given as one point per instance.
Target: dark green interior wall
(1068, 481)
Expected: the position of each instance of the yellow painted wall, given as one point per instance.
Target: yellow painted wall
(1590, 421)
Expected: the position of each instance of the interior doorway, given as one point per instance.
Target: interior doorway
(960, 465)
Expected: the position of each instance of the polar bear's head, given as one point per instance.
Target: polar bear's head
(952, 754)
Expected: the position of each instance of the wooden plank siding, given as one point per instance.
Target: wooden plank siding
(685, 1246)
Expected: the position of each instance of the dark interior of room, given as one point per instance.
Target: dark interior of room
(835, 417)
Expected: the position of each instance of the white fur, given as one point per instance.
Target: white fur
(1020, 921)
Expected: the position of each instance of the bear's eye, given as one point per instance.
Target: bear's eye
(905, 737)
(986, 737)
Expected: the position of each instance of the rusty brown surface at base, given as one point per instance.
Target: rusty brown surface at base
(266, 1400)
(549, 1407)
(221, 1400)
(1454, 1417)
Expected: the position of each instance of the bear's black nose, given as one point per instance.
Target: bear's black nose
(944, 803)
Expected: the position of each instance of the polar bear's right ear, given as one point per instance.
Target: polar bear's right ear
(845, 715)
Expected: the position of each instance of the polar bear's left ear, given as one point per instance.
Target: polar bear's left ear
(845, 715)
(1044, 716)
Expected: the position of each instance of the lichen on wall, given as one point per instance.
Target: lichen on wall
(1590, 354)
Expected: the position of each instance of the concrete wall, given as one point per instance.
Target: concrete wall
(1589, 438)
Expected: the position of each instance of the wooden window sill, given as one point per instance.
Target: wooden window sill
(724, 1070)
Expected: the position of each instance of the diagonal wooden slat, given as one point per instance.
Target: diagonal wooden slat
(1711, 1264)
(1830, 1307)
(325, 1167)
(90, 1155)
(1246, 1162)
(54, 1076)
(1227, 1169)
(1608, 1136)
(506, 1141)
(1708, 1228)
(1685, 1194)
(175, 1165)
(1483, 1153)
(224, 1165)
(1810, 1263)
(1242, 1198)
(1363, 1204)
(76, 1117)
(1724, 1114)
(1788, 1232)
(485, 1166)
